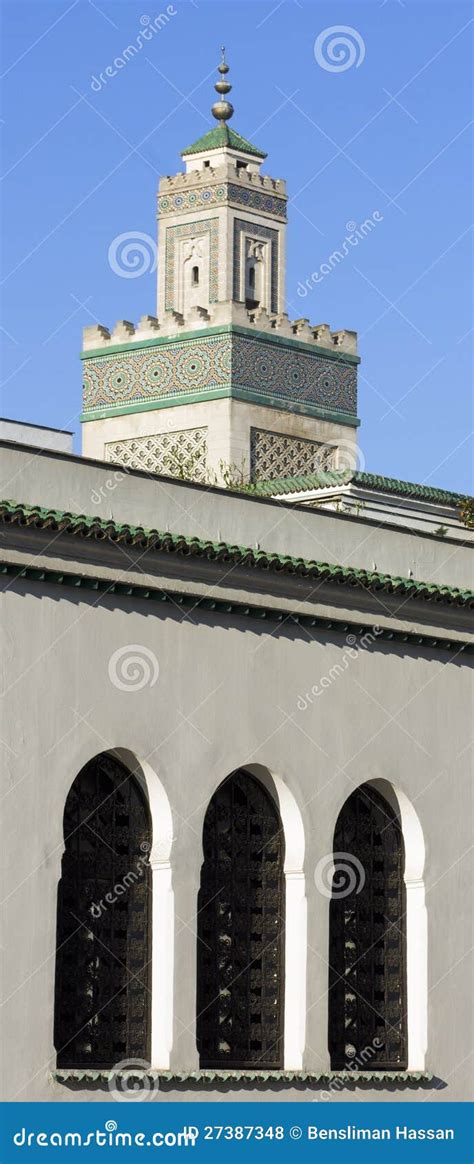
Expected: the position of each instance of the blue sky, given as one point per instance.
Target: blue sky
(81, 163)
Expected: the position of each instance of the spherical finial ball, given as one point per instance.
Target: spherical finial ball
(222, 110)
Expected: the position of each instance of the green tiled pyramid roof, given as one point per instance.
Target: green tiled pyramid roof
(330, 478)
(220, 136)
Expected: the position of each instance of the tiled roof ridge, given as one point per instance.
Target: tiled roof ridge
(12, 512)
(330, 478)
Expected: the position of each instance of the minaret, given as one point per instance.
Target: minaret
(220, 385)
(222, 226)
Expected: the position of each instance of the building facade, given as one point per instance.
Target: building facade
(237, 705)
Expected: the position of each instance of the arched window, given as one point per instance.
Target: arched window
(252, 277)
(367, 995)
(195, 276)
(102, 1004)
(240, 929)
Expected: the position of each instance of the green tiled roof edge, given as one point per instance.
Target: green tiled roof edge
(332, 477)
(220, 136)
(12, 512)
(86, 1075)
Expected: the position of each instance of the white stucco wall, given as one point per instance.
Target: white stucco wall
(231, 692)
(228, 695)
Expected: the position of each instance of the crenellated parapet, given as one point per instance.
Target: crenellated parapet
(225, 185)
(196, 179)
(197, 318)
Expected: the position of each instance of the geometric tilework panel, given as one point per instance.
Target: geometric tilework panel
(208, 226)
(228, 360)
(299, 376)
(273, 455)
(258, 200)
(154, 373)
(219, 195)
(171, 454)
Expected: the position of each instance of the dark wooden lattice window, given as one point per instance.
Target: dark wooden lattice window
(102, 1005)
(240, 929)
(367, 997)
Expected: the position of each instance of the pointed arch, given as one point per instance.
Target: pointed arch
(240, 984)
(378, 933)
(103, 958)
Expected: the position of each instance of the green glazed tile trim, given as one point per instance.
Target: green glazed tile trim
(88, 1075)
(244, 394)
(15, 513)
(330, 478)
(222, 135)
(407, 488)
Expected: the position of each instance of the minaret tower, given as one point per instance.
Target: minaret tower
(222, 226)
(220, 385)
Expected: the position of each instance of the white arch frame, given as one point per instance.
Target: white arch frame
(162, 929)
(416, 919)
(416, 933)
(294, 1033)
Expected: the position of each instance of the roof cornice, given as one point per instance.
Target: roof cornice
(82, 526)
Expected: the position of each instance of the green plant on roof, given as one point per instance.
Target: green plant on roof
(466, 512)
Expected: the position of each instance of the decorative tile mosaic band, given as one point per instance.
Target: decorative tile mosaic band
(172, 454)
(298, 376)
(274, 454)
(258, 200)
(186, 200)
(255, 231)
(222, 361)
(208, 226)
(154, 373)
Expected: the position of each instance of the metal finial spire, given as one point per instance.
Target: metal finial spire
(222, 110)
